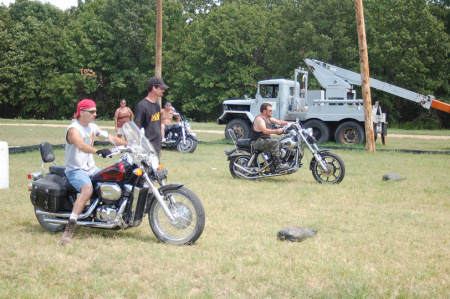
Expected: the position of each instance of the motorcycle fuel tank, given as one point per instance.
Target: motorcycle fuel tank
(119, 172)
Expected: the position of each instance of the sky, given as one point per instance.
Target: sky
(61, 4)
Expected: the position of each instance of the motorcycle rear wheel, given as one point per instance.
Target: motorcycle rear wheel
(189, 147)
(337, 169)
(189, 217)
(53, 227)
(235, 171)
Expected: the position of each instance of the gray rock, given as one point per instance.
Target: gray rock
(295, 233)
(393, 177)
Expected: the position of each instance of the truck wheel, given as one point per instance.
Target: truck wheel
(320, 130)
(349, 133)
(240, 128)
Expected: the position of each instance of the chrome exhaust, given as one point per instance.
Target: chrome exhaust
(82, 223)
(67, 214)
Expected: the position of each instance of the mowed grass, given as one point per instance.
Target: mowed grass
(375, 238)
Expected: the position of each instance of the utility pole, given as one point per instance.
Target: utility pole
(365, 78)
(158, 41)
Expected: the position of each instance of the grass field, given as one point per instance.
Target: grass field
(375, 239)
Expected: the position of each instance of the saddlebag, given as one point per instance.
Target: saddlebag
(48, 195)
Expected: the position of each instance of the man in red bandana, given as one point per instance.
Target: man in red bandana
(80, 164)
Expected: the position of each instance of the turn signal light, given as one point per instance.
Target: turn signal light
(138, 171)
(160, 167)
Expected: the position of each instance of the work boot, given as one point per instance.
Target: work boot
(68, 232)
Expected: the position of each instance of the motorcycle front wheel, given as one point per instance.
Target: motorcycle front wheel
(336, 171)
(188, 146)
(53, 227)
(189, 217)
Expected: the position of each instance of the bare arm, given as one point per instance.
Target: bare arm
(279, 122)
(116, 116)
(73, 137)
(260, 126)
(132, 115)
(116, 140)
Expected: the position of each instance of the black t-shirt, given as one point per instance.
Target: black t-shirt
(148, 116)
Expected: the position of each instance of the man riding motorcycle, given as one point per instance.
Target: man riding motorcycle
(80, 164)
(260, 135)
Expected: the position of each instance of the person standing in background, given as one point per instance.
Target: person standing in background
(148, 112)
(123, 114)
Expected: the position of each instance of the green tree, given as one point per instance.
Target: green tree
(408, 47)
(31, 60)
(223, 56)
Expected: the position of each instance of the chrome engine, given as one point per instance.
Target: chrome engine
(289, 142)
(107, 214)
(109, 193)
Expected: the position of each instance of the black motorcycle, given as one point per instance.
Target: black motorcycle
(178, 136)
(246, 163)
(121, 195)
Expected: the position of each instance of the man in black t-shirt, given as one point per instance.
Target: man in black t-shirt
(148, 112)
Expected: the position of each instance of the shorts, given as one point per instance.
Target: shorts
(120, 131)
(79, 178)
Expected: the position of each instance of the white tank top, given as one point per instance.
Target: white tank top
(76, 159)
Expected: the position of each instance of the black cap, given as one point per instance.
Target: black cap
(156, 81)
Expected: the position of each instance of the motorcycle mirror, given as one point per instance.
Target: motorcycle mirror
(103, 135)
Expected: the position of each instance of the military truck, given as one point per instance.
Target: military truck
(333, 112)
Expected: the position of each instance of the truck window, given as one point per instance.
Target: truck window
(269, 91)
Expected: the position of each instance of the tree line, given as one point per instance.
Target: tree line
(213, 50)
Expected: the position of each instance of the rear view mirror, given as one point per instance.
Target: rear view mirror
(103, 135)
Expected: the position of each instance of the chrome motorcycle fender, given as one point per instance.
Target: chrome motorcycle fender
(238, 153)
(313, 160)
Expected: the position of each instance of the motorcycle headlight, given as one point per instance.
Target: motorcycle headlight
(309, 131)
(153, 160)
(188, 125)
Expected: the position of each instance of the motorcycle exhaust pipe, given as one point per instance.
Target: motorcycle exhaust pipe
(83, 223)
(67, 214)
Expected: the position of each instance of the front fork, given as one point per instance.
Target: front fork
(316, 152)
(183, 134)
(159, 198)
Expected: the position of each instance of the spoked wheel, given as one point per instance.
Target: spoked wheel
(235, 171)
(188, 146)
(189, 217)
(336, 169)
(53, 227)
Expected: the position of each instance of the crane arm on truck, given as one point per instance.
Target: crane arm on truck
(331, 76)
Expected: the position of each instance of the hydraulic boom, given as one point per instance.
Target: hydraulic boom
(326, 75)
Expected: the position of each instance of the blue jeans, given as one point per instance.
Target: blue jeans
(79, 178)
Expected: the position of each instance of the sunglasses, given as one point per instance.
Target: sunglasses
(91, 111)
(269, 110)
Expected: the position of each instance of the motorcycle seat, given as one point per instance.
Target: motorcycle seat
(243, 143)
(57, 169)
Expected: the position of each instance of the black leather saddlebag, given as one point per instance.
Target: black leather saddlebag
(48, 195)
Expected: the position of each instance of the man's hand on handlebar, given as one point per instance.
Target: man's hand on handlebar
(104, 152)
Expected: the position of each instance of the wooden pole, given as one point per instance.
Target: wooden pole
(365, 82)
(158, 64)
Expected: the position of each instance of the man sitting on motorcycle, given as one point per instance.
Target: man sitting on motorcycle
(260, 135)
(80, 164)
(166, 119)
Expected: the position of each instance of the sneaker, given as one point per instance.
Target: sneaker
(282, 167)
(68, 233)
